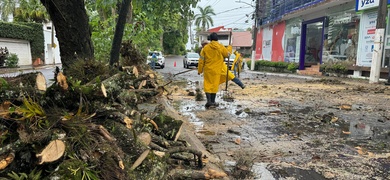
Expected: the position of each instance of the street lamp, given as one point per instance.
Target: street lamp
(254, 33)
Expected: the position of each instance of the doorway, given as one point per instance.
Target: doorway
(312, 40)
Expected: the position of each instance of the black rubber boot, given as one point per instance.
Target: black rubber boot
(213, 103)
(208, 103)
(238, 82)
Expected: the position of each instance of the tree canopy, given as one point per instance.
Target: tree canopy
(204, 19)
(7, 7)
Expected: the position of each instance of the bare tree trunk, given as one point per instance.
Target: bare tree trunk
(120, 26)
(72, 30)
(129, 18)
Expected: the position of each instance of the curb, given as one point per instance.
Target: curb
(26, 68)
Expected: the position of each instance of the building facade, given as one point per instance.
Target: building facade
(312, 32)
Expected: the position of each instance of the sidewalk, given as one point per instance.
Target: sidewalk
(26, 68)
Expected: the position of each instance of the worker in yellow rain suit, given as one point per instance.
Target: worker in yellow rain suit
(231, 77)
(211, 64)
(237, 64)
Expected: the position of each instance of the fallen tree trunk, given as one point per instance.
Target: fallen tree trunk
(12, 88)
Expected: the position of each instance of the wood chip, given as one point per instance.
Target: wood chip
(151, 76)
(140, 159)
(6, 161)
(129, 122)
(4, 109)
(334, 119)
(121, 165)
(346, 107)
(52, 152)
(346, 132)
(61, 79)
(104, 91)
(213, 174)
(41, 82)
(135, 72)
(159, 153)
(237, 141)
(142, 84)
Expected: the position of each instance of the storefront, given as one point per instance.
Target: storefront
(369, 13)
(292, 40)
(326, 32)
(271, 42)
(329, 38)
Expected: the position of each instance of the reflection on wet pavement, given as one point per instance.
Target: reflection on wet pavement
(289, 135)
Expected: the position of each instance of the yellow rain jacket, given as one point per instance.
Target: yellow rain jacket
(211, 64)
(223, 75)
(237, 62)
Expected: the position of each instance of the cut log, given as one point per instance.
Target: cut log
(14, 87)
(157, 147)
(41, 82)
(145, 138)
(52, 152)
(35, 79)
(196, 153)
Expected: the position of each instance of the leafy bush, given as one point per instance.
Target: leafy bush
(292, 67)
(280, 66)
(339, 67)
(32, 32)
(12, 61)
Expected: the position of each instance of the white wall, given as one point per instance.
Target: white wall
(20, 48)
(267, 43)
(52, 55)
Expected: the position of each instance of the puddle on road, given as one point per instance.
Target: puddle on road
(189, 107)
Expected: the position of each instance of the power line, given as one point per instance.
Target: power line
(236, 21)
(216, 2)
(232, 10)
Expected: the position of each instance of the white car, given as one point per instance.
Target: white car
(190, 59)
(332, 56)
(231, 60)
(160, 59)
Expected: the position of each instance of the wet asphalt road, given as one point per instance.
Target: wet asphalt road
(174, 65)
(283, 125)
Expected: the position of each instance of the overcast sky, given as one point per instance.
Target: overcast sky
(230, 13)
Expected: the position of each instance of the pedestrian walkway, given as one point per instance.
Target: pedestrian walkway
(6, 70)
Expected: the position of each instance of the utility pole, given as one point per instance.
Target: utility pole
(254, 36)
(378, 42)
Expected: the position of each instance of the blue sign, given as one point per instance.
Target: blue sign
(367, 4)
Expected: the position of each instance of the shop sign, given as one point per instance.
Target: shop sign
(342, 19)
(367, 4)
(367, 33)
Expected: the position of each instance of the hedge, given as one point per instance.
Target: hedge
(32, 32)
(276, 65)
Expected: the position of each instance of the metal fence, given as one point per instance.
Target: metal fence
(273, 10)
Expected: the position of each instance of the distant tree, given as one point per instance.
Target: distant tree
(31, 11)
(249, 29)
(7, 7)
(204, 20)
